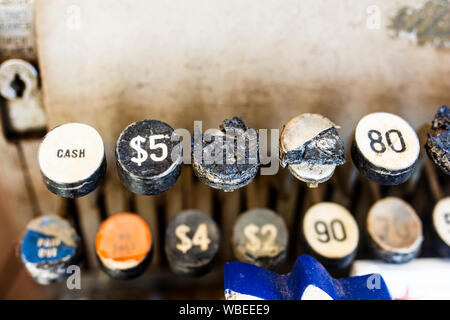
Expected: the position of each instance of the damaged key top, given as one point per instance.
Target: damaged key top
(438, 143)
(226, 159)
(311, 148)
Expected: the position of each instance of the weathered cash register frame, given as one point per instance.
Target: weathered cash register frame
(109, 63)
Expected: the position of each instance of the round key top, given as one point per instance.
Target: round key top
(438, 143)
(72, 160)
(331, 234)
(441, 226)
(192, 243)
(395, 230)
(148, 156)
(260, 237)
(385, 148)
(123, 245)
(226, 159)
(49, 247)
(311, 148)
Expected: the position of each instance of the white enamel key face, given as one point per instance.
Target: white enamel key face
(71, 153)
(303, 128)
(387, 141)
(330, 230)
(441, 219)
(394, 225)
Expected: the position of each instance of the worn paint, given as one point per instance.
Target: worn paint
(427, 25)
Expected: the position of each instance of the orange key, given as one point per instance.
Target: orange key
(123, 245)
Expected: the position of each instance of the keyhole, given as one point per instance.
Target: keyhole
(18, 86)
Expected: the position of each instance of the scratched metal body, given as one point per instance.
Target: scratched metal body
(438, 143)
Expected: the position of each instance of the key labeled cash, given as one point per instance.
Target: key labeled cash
(395, 230)
(441, 226)
(226, 159)
(124, 245)
(331, 234)
(260, 237)
(311, 148)
(49, 247)
(72, 160)
(148, 157)
(192, 242)
(385, 148)
(438, 143)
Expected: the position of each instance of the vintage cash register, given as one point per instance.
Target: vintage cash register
(110, 109)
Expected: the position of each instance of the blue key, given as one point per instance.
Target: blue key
(49, 246)
(308, 280)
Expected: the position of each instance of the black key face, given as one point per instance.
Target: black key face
(395, 230)
(148, 157)
(385, 148)
(72, 160)
(438, 143)
(145, 148)
(311, 148)
(192, 242)
(50, 245)
(260, 237)
(226, 159)
(442, 119)
(331, 233)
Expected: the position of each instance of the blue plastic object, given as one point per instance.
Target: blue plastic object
(308, 276)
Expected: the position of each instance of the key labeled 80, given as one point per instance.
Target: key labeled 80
(378, 146)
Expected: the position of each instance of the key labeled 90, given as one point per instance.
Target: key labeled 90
(335, 230)
(331, 234)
